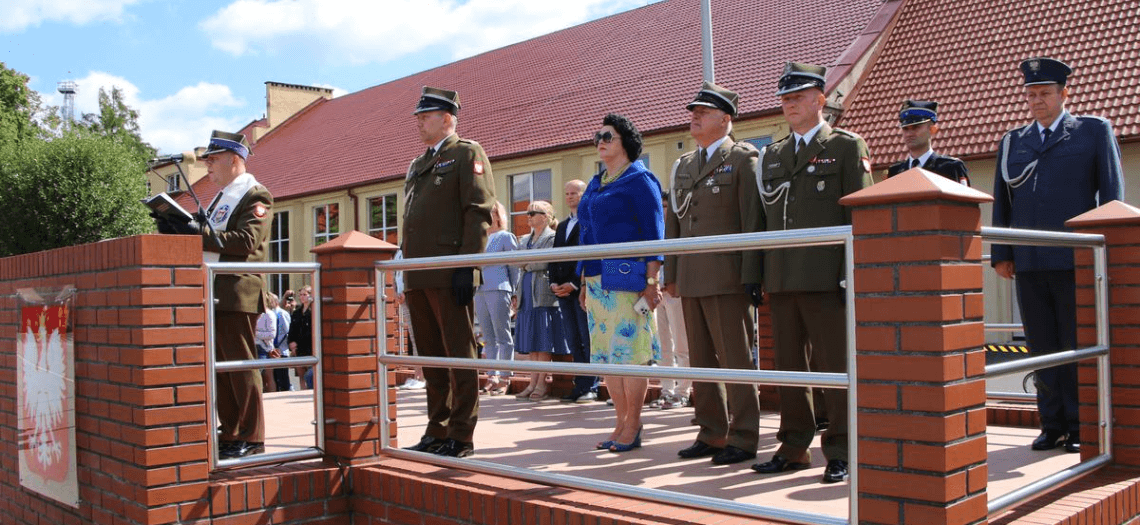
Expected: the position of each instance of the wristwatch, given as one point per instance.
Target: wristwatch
(651, 281)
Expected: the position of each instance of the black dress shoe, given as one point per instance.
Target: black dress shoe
(731, 455)
(455, 449)
(427, 444)
(1073, 443)
(1049, 440)
(835, 472)
(698, 449)
(822, 423)
(780, 464)
(242, 449)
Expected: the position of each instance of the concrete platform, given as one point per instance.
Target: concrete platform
(556, 437)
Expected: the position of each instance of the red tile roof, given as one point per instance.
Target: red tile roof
(964, 54)
(551, 92)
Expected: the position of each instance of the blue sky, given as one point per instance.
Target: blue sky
(191, 67)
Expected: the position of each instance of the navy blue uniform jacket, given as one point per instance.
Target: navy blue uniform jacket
(1040, 186)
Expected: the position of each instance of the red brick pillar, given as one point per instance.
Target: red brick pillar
(1120, 225)
(920, 362)
(350, 346)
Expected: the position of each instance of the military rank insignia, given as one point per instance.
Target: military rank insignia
(478, 168)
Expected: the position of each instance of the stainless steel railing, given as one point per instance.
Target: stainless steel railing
(213, 269)
(840, 235)
(1098, 351)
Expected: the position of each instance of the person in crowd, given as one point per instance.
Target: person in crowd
(539, 322)
(281, 343)
(674, 341)
(266, 335)
(408, 345)
(289, 303)
(622, 204)
(449, 193)
(565, 284)
(301, 334)
(1049, 171)
(716, 289)
(918, 124)
(802, 177)
(493, 302)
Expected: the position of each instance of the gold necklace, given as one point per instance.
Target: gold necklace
(608, 177)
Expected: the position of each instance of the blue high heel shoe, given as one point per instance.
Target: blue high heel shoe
(605, 445)
(622, 447)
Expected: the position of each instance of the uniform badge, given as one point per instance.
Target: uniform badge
(819, 186)
(221, 214)
(710, 182)
(773, 166)
(259, 210)
(444, 164)
(438, 180)
(1035, 65)
(727, 168)
(811, 168)
(866, 164)
(769, 187)
(478, 168)
(716, 189)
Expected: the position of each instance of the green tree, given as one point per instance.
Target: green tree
(18, 106)
(119, 122)
(75, 189)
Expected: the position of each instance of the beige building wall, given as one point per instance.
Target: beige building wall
(285, 100)
(157, 179)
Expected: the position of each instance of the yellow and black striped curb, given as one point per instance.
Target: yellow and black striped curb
(1009, 349)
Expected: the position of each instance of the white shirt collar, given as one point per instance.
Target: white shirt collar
(440, 144)
(713, 147)
(810, 134)
(1053, 126)
(922, 158)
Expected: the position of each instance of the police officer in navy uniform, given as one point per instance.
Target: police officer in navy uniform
(918, 123)
(447, 210)
(713, 192)
(1049, 171)
(801, 179)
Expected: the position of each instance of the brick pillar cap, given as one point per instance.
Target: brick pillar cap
(913, 185)
(1115, 213)
(355, 241)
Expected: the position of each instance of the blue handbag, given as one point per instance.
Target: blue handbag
(626, 275)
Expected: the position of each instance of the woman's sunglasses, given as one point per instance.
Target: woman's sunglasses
(600, 137)
(532, 213)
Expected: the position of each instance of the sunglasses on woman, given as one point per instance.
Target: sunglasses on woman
(600, 137)
(532, 213)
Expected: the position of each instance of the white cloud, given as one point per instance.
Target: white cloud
(174, 123)
(17, 15)
(365, 31)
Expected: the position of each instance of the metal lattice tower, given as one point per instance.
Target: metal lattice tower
(68, 88)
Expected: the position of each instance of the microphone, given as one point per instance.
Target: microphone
(176, 158)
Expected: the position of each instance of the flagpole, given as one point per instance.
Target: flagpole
(706, 41)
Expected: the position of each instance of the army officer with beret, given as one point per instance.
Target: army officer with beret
(801, 178)
(713, 192)
(447, 210)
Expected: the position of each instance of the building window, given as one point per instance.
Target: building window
(326, 223)
(279, 251)
(760, 142)
(382, 221)
(525, 189)
(599, 166)
(173, 183)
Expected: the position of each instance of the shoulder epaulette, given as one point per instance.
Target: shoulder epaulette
(845, 132)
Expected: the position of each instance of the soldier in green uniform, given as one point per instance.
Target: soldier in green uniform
(713, 192)
(447, 210)
(801, 178)
(236, 228)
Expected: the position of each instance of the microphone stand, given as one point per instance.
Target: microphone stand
(201, 212)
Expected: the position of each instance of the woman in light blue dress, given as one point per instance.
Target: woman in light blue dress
(539, 320)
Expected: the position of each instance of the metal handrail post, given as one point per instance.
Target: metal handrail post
(211, 373)
(1104, 370)
(382, 367)
(852, 381)
(318, 369)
